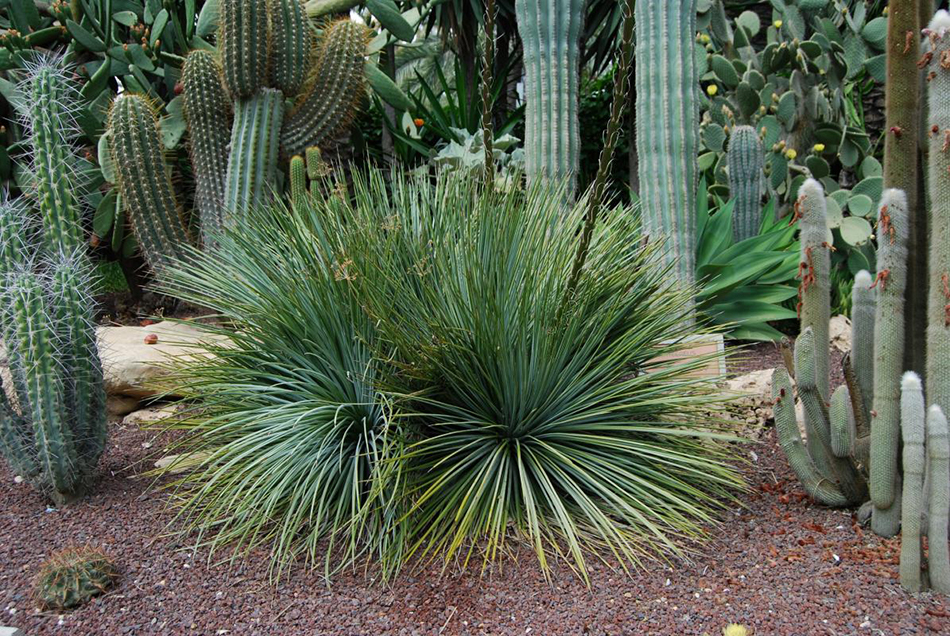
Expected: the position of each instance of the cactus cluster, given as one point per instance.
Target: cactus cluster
(274, 92)
(74, 576)
(550, 31)
(667, 89)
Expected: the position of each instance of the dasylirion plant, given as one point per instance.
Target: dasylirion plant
(746, 161)
(550, 32)
(53, 418)
(667, 88)
(271, 92)
(73, 577)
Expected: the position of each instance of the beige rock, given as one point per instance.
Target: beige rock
(132, 367)
(839, 329)
(119, 405)
(175, 464)
(152, 415)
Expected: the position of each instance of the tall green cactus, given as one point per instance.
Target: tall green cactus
(550, 31)
(746, 162)
(913, 425)
(207, 111)
(814, 270)
(147, 192)
(252, 165)
(245, 46)
(938, 470)
(52, 103)
(668, 127)
(54, 431)
(891, 281)
(938, 184)
(292, 43)
(863, 309)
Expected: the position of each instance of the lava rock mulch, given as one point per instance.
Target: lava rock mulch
(777, 564)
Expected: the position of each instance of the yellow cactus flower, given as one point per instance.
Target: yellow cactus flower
(819, 147)
(790, 154)
(777, 24)
(712, 89)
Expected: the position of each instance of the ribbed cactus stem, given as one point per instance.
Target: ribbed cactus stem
(815, 289)
(207, 110)
(668, 127)
(938, 453)
(550, 32)
(817, 485)
(328, 101)
(245, 46)
(913, 430)
(938, 185)
(52, 101)
(863, 308)
(298, 180)
(891, 280)
(147, 191)
(292, 39)
(252, 165)
(746, 161)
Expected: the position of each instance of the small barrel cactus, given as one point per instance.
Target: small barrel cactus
(74, 576)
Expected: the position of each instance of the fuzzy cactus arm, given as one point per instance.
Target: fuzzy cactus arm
(245, 46)
(746, 163)
(938, 183)
(938, 452)
(667, 90)
(888, 346)
(52, 103)
(333, 91)
(147, 192)
(818, 487)
(913, 425)
(252, 165)
(842, 424)
(814, 271)
(550, 31)
(292, 39)
(208, 113)
(863, 307)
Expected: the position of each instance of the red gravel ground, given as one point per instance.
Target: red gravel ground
(779, 565)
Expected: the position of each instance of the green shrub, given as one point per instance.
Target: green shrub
(418, 334)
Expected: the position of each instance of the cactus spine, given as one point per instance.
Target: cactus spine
(147, 192)
(51, 102)
(938, 184)
(328, 100)
(913, 418)
(668, 127)
(938, 453)
(208, 114)
(292, 40)
(252, 165)
(888, 356)
(550, 31)
(245, 47)
(746, 161)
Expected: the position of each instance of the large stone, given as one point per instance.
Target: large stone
(839, 330)
(134, 368)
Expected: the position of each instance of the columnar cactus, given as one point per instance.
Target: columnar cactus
(147, 192)
(814, 271)
(245, 47)
(746, 161)
(863, 309)
(252, 164)
(938, 453)
(292, 43)
(937, 68)
(892, 234)
(668, 127)
(550, 32)
(52, 102)
(913, 499)
(54, 429)
(207, 110)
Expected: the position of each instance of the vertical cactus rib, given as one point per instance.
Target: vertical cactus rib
(913, 425)
(550, 32)
(252, 166)
(298, 180)
(146, 188)
(938, 185)
(863, 308)
(332, 92)
(938, 452)
(818, 487)
(208, 114)
(245, 46)
(292, 41)
(888, 346)
(668, 126)
(52, 102)
(746, 160)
